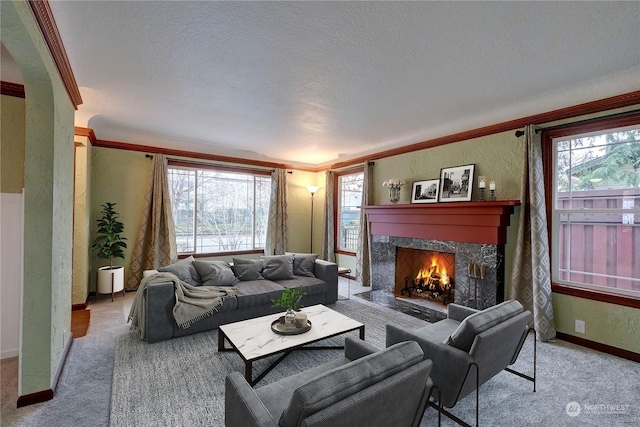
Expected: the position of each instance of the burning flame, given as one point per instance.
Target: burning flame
(426, 272)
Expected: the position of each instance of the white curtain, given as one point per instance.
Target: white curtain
(327, 251)
(276, 243)
(156, 242)
(363, 256)
(531, 276)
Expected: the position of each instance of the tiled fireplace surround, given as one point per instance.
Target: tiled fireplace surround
(474, 231)
(383, 266)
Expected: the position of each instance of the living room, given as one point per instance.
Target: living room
(118, 171)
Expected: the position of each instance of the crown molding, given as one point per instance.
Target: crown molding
(87, 132)
(619, 101)
(189, 154)
(47, 24)
(12, 89)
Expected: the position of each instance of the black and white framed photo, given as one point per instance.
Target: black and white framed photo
(425, 191)
(456, 184)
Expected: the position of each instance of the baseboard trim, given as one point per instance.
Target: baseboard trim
(76, 307)
(44, 395)
(625, 354)
(37, 397)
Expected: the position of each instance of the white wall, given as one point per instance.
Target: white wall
(10, 272)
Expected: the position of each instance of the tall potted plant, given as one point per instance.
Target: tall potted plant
(109, 245)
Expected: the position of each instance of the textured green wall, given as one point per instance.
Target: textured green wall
(498, 157)
(81, 221)
(605, 323)
(121, 177)
(299, 211)
(48, 201)
(12, 131)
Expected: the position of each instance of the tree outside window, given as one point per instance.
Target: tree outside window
(219, 211)
(596, 211)
(349, 202)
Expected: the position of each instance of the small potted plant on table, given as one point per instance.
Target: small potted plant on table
(290, 299)
(109, 245)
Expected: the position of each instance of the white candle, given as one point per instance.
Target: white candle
(492, 185)
(481, 184)
(301, 319)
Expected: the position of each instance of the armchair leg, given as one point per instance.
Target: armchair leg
(535, 355)
(440, 406)
(430, 403)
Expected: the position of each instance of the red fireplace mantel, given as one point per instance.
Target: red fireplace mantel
(473, 222)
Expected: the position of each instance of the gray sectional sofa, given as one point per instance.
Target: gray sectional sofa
(257, 283)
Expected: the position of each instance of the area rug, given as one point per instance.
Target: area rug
(180, 382)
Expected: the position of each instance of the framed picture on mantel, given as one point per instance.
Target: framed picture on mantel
(425, 191)
(456, 183)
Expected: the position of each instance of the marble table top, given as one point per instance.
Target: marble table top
(254, 339)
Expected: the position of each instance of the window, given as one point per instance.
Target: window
(595, 208)
(348, 208)
(218, 210)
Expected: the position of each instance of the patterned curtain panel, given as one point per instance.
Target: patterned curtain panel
(276, 242)
(363, 256)
(327, 252)
(156, 242)
(531, 276)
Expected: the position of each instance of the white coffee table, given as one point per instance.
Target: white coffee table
(253, 339)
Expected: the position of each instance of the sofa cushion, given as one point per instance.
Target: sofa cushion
(254, 293)
(185, 271)
(310, 285)
(339, 383)
(277, 267)
(215, 273)
(247, 269)
(479, 322)
(303, 264)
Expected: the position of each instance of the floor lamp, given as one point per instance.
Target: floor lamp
(312, 189)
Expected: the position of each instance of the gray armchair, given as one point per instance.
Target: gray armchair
(468, 348)
(365, 387)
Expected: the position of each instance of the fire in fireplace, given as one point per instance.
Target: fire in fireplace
(425, 274)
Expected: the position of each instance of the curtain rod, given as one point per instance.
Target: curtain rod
(195, 162)
(519, 133)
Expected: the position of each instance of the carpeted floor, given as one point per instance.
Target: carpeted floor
(605, 387)
(181, 381)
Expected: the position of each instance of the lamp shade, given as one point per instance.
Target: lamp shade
(312, 188)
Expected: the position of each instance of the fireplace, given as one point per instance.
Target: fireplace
(467, 238)
(425, 274)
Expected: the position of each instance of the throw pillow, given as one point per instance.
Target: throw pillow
(247, 269)
(303, 264)
(185, 271)
(277, 267)
(215, 273)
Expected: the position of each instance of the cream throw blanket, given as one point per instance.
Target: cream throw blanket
(192, 302)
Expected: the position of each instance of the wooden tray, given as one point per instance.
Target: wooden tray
(278, 326)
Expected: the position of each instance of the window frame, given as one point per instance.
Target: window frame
(223, 168)
(548, 156)
(336, 207)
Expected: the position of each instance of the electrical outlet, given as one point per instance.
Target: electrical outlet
(580, 326)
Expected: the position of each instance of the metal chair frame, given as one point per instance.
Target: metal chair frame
(440, 408)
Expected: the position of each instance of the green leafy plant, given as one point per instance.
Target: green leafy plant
(290, 299)
(109, 244)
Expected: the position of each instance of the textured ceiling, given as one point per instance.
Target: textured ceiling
(311, 83)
